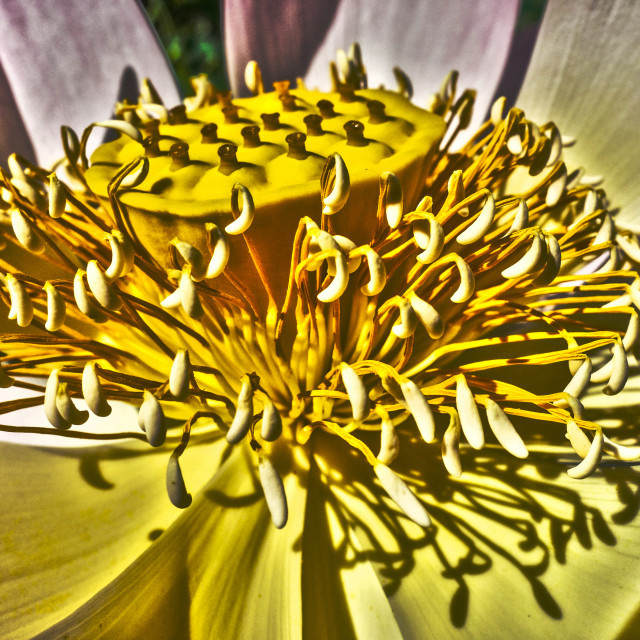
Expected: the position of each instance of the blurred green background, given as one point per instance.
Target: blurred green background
(191, 33)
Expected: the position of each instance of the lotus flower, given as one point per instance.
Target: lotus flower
(357, 334)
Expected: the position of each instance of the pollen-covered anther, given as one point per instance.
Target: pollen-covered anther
(469, 415)
(176, 489)
(50, 402)
(432, 241)
(67, 409)
(467, 281)
(428, 316)
(193, 257)
(220, 251)
(83, 302)
(356, 391)
(389, 442)
(57, 197)
(180, 375)
(527, 264)
(151, 419)
(56, 308)
(244, 217)
(273, 492)
(92, 391)
(400, 493)
(419, 408)
(504, 430)
(99, 285)
(271, 428)
(451, 445)
(244, 413)
(25, 233)
(591, 459)
(335, 184)
(408, 319)
(21, 308)
(377, 273)
(479, 227)
(253, 78)
(391, 198)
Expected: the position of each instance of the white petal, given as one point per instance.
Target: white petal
(92, 56)
(584, 77)
(426, 38)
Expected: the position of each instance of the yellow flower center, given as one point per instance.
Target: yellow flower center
(302, 261)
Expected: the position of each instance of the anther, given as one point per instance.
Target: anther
(176, 489)
(253, 78)
(477, 229)
(578, 384)
(355, 133)
(432, 241)
(408, 320)
(50, 402)
(335, 184)
(118, 259)
(83, 302)
(244, 218)
(389, 442)
(377, 113)
(21, 308)
(591, 460)
(209, 133)
(619, 370)
(391, 194)
(419, 408)
(92, 391)
(57, 197)
(357, 392)
(314, 124)
(231, 114)
(56, 308)
(468, 412)
(251, 136)
(244, 413)
(228, 159)
(556, 188)
(189, 298)
(297, 147)
(326, 109)
(67, 409)
(151, 146)
(193, 257)
(99, 285)
(504, 430)
(221, 250)
(178, 115)
(527, 264)
(271, 121)
(273, 492)
(428, 316)
(467, 281)
(151, 420)
(180, 375)
(377, 274)
(451, 446)
(25, 233)
(521, 219)
(179, 153)
(271, 428)
(400, 493)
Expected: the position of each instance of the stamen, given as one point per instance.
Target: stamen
(428, 316)
(221, 251)
(580, 380)
(57, 197)
(504, 430)
(419, 408)
(25, 233)
(253, 78)
(521, 220)
(175, 484)
(56, 308)
(357, 392)
(193, 257)
(84, 303)
(389, 442)
(619, 370)
(99, 285)
(67, 409)
(335, 184)
(50, 402)
(21, 308)
(480, 225)
(180, 375)
(92, 391)
(432, 242)
(591, 460)
(467, 281)
(273, 492)
(469, 415)
(408, 320)
(271, 428)
(529, 261)
(377, 273)
(151, 420)
(451, 445)
(243, 219)
(400, 493)
(391, 198)
(244, 413)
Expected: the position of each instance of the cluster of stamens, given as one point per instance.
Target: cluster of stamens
(328, 264)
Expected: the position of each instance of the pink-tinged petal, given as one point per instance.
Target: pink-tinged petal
(585, 77)
(72, 520)
(68, 62)
(426, 38)
(222, 571)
